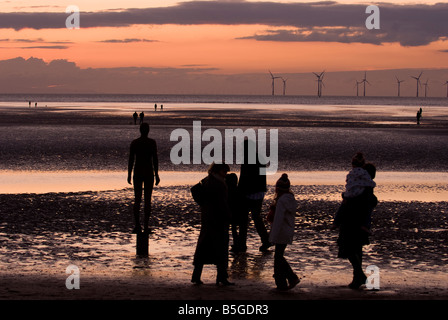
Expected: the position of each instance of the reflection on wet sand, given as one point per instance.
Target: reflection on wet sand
(392, 186)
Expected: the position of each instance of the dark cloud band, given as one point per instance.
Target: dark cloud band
(410, 25)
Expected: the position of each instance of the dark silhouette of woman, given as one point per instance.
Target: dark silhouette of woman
(213, 243)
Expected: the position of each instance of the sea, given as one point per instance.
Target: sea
(111, 99)
(75, 181)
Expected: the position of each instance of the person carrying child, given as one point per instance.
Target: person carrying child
(353, 217)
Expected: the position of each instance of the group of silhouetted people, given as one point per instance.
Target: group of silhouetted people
(227, 202)
(141, 116)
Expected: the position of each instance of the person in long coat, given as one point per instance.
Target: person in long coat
(213, 243)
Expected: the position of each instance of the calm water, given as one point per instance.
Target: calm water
(392, 186)
(110, 99)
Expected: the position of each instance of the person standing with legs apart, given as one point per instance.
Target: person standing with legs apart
(252, 186)
(213, 243)
(143, 152)
(282, 216)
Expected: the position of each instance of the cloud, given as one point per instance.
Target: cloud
(46, 47)
(127, 40)
(409, 25)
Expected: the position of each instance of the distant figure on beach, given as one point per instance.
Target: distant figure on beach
(35, 105)
(419, 115)
(142, 117)
(135, 116)
(236, 209)
(155, 107)
(252, 185)
(283, 211)
(29, 104)
(354, 216)
(143, 152)
(161, 107)
(213, 243)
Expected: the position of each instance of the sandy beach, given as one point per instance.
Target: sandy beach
(43, 233)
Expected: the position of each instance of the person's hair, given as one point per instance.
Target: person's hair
(371, 169)
(282, 186)
(144, 129)
(232, 179)
(217, 167)
(358, 160)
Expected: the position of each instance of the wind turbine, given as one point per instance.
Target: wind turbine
(284, 85)
(399, 82)
(273, 82)
(418, 81)
(319, 82)
(364, 81)
(426, 87)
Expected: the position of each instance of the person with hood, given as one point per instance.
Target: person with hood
(213, 243)
(283, 211)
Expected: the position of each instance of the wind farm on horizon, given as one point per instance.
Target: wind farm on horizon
(363, 82)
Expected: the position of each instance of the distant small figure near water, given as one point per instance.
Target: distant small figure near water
(419, 115)
(29, 104)
(35, 105)
(135, 116)
(161, 107)
(143, 152)
(142, 117)
(155, 107)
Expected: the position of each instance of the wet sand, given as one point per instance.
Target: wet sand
(41, 234)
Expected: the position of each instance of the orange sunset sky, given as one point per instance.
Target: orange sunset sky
(212, 40)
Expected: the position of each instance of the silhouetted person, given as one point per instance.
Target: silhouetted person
(142, 117)
(351, 221)
(35, 105)
(135, 116)
(161, 107)
(143, 152)
(252, 185)
(419, 115)
(155, 107)
(29, 104)
(213, 243)
(236, 209)
(282, 232)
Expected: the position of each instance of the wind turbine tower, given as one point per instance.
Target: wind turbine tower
(426, 87)
(365, 81)
(399, 83)
(273, 82)
(284, 85)
(320, 77)
(418, 81)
